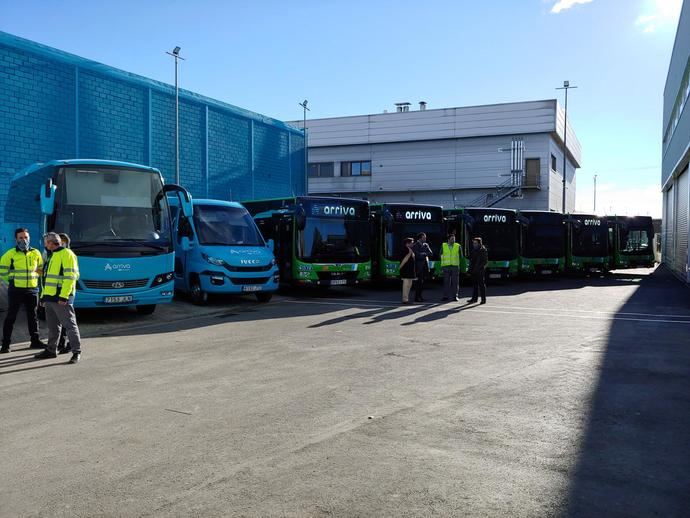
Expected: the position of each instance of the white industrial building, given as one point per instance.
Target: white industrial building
(675, 178)
(504, 155)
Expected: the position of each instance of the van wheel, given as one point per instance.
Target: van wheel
(264, 297)
(146, 309)
(199, 296)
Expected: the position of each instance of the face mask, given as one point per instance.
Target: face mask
(23, 244)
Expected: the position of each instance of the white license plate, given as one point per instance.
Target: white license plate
(251, 288)
(546, 272)
(338, 282)
(494, 276)
(117, 300)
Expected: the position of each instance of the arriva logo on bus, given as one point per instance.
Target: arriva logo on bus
(495, 218)
(592, 223)
(418, 214)
(339, 210)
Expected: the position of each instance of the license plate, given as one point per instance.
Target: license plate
(594, 270)
(338, 282)
(117, 300)
(251, 288)
(546, 272)
(494, 276)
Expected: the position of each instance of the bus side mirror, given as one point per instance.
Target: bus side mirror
(300, 217)
(523, 221)
(185, 244)
(469, 220)
(183, 195)
(388, 220)
(48, 198)
(271, 245)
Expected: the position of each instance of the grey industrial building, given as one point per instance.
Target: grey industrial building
(676, 153)
(504, 155)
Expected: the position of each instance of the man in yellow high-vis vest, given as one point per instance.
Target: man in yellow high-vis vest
(20, 268)
(450, 266)
(59, 286)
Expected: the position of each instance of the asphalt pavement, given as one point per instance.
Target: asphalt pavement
(565, 397)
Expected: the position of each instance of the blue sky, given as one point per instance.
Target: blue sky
(354, 57)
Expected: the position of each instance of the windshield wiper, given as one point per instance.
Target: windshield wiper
(121, 243)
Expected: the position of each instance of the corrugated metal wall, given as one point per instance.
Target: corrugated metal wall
(668, 227)
(681, 224)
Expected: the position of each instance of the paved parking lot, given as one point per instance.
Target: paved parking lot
(567, 397)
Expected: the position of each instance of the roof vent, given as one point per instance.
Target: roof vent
(422, 106)
(402, 107)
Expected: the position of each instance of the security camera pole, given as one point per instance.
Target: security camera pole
(176, 54)
(566, 86)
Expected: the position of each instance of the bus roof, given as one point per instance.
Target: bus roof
(38, 166)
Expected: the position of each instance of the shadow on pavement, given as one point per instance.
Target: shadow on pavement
(634, 458)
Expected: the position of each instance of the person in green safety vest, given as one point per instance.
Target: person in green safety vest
(20, 268)
(450, 266)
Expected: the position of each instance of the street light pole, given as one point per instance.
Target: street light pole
(595, 194)
(176, 54)
(566, 86)
(303, 104)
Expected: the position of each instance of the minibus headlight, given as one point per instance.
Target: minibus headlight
(162, 278)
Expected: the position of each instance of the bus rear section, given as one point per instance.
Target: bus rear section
(631, 241)
(500, 233)
(319, 241)
(543, 249)
(588, 244)
(220, 250)
(118, 220)
(392, 223)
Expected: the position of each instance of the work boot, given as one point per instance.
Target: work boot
(4, 349)
(64, 349)
(75, 358)
(483, 301)
(45, 355)
(37, 344)
(472, 301)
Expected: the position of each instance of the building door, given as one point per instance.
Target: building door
(681, 225)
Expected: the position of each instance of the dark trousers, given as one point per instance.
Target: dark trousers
(479, 286)
(16, 298)
(419, 285)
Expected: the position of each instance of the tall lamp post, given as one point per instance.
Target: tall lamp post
(566, 86)
(303, 104)
(176, 54)
(595, 194)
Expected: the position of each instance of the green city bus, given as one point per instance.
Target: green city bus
(500, 233)
(587, 244)
(631, 241)
(543, 242)
(455, 223)
(319, 241)
(391, 223)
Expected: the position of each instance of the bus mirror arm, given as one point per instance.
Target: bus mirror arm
(48, 198)
(270, 244)
(183, 195)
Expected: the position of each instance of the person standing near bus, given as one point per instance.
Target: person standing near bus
(407, 270)
(62, 348)
(20, 268)
(59, 286)
(479, 257)
(422, 254)
(450, 266)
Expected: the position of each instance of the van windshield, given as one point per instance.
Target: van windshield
(229, 226)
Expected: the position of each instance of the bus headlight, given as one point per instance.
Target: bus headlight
(213, 260)
(162, 279)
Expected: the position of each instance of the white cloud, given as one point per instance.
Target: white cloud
(562, 5)
(659, 14)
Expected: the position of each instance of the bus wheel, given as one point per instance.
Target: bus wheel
(146, 309)
(264, 297)
(199, 296)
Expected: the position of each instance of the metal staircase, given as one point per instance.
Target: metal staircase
(512, 187)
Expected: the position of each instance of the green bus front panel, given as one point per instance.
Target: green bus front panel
(330, 274)
(542, 266)
(587, 264)
(502, 269)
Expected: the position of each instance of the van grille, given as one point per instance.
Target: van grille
(250, 280)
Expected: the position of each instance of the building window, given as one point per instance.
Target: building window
(678, 106)
(554, 163)
(321, 170)
(355, 168)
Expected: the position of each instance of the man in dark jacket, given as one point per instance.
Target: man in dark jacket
(422, 254)
(479, 257)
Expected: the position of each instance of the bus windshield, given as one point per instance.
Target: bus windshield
(590, 242)
(544, 241)
(223, 225)
(500, 240)
(330, 239)
(106, 205)
(394, 239)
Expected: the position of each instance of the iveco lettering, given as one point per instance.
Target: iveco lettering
(392, 223)
(118, 219)
(319, 241)
(221, 250)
